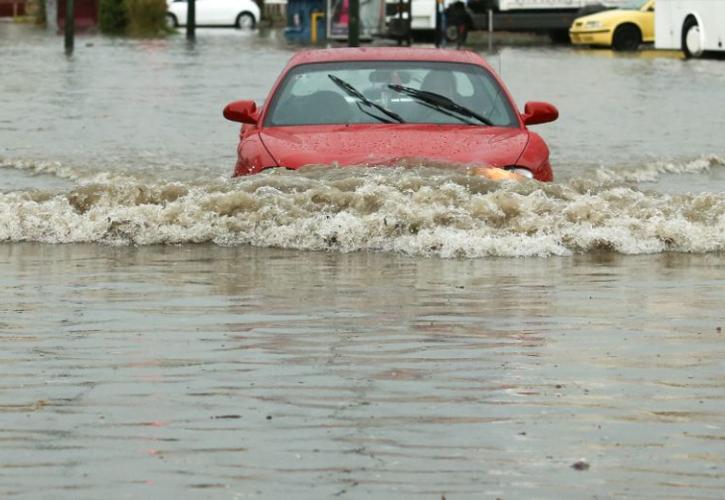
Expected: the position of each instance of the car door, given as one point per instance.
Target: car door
(221, 12)
(178, 9)
(205, 12)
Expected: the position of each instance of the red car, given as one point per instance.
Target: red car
(381, 106)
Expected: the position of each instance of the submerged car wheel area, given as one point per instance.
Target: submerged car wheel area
(381, 106)
(627, 37)
(245, 20)
(692, 45)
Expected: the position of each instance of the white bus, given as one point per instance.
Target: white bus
(693, 26)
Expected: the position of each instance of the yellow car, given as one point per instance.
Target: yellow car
(622, 29)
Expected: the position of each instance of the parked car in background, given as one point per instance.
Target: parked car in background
(386, 105)
(693, 26)
(625, 28)
(243, 14)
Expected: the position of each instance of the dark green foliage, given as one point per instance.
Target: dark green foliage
(133, 17)
(146, 17)
(112, 18)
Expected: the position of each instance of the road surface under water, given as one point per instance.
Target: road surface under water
(411, 332)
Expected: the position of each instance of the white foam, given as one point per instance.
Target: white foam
(38, 167)
(650, 172)
(415, 211)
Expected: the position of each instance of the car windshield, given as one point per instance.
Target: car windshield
(634, 4)
(390, 92)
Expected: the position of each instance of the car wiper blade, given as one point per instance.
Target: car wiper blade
(353, 92)
(370, 113)
(439, 102)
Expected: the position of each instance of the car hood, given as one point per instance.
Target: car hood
(608, 17)
(294, 147)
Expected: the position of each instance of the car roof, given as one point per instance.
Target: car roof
(386, 54)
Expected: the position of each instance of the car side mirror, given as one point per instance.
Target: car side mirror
(241, 111)
(539, 112)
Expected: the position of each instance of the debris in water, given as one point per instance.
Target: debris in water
(718, 329)
(580, 464)
(37, 405)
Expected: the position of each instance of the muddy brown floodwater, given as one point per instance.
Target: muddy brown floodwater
(167, 332)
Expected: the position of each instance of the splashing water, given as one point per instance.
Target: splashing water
(421, 210)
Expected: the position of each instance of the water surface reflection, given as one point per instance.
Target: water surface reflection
(258, 372)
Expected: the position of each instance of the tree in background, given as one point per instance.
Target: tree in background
(133, 17)
(112, 18)
(146, 17)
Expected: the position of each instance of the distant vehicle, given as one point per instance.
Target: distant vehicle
(422, 15)
(622, 29)
(546, 16)
(243, 14)
(384, 105)
(693, 26)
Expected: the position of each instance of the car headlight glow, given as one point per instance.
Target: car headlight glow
(525, 172)
(593, 24)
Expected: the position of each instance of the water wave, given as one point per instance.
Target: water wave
(41, 167)
(427, 211)
(650, 172)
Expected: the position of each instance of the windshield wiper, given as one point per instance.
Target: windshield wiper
(440, 103)
(353, 92)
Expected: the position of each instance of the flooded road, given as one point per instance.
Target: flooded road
(154, 106)
(167, 332)
(156, 371)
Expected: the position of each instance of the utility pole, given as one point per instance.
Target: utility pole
(70, 26)
(353, 27)
(439, 23)
(191, 20)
